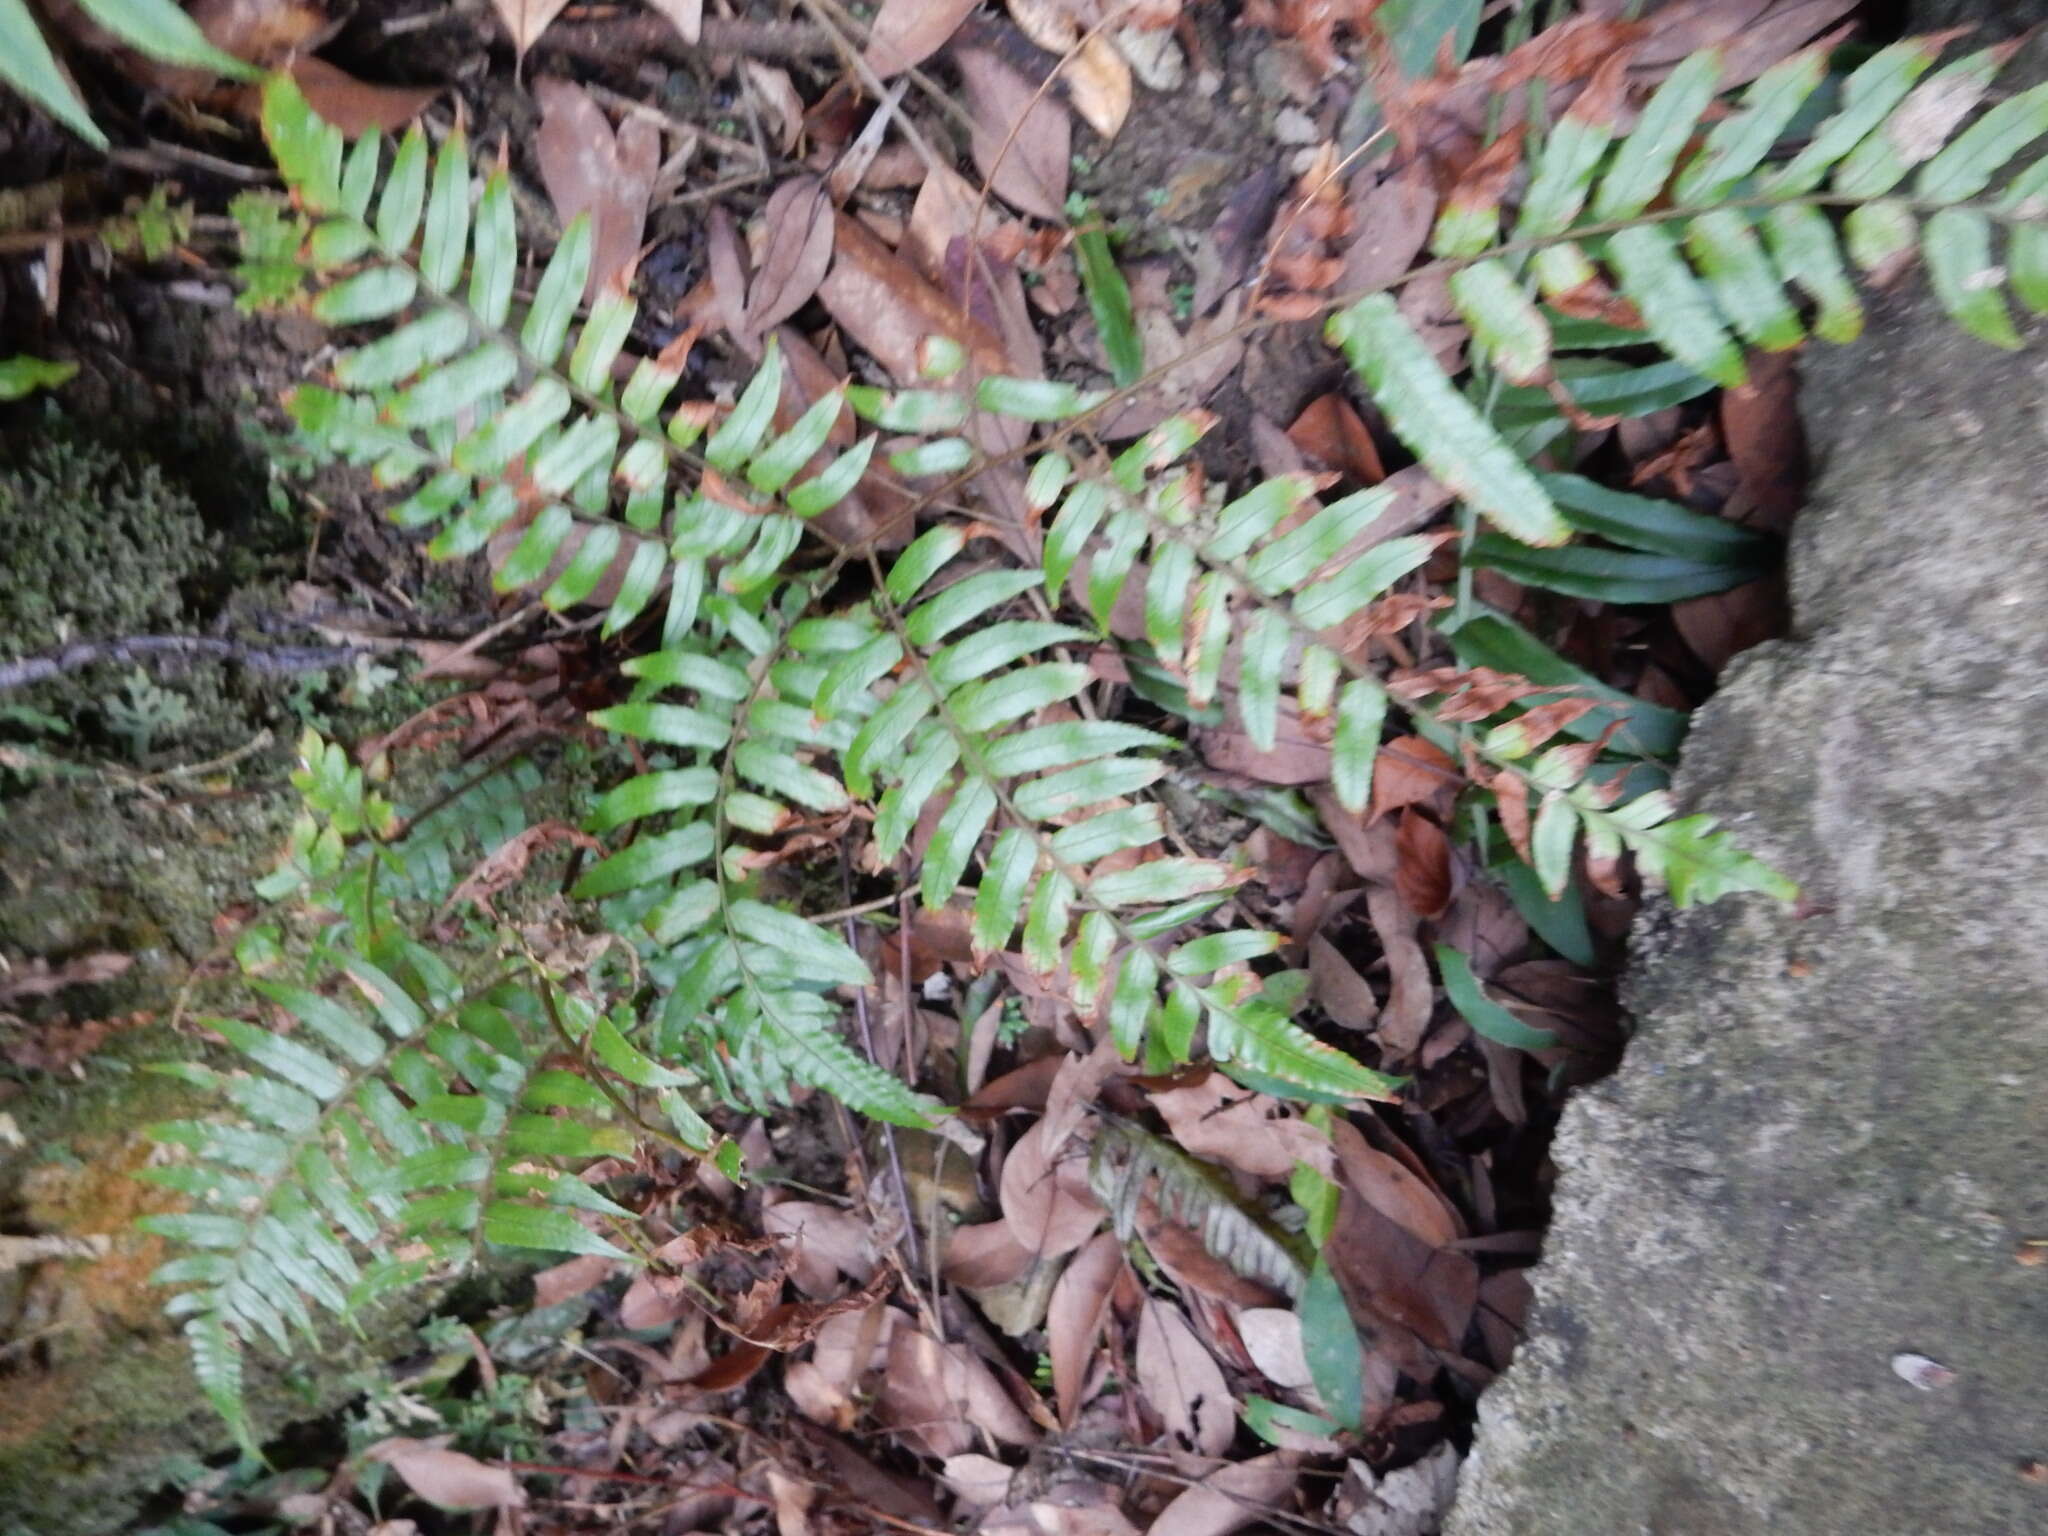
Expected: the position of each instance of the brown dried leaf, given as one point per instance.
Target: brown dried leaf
(1338, 988)
(587, 168)
(1411, 994)
(1180, 1251)
(38, 978)
(778, 94)
(355, 106)
(1048, 1204)
(525, 20)
(1422, 865)
(986, 1255)
(1099, 85)
(1330, 432)
(449, 1479)
(824, 1242)
(1417, 1296)
(797, 227)
(1411, 771)
(907, 32)
(937, 1394)
(1391, 1187)
(1182, 1381)
(571, 1278)
(1231, 1498)
(1074, 1319)
(1022, 140)
(1392, 221)
(1217, 1119)
(686, 16)
(886, 307)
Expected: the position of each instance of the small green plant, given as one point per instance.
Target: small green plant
(789, 681)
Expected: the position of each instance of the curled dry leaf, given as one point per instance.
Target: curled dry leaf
(1046, 1201)
(778, 93)
(797, 237)
(1422, 864)
(1411, 771)
(587, 168)
(1022, 140)
(907, 32)
(844, 1350)
(1073, 1321)
(1411, 993)
(1183, 1382)
(449, 1479)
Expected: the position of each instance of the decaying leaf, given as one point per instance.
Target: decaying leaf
(525, 20)
(1022, 140)
(1182, 1381)
(1046, 1200)
(797, 230)
(1231, 1498)
(588, 168)
(447, 1478)
(907, 32)
(1073, 1322)
(824, 1243)
(1216, 1118)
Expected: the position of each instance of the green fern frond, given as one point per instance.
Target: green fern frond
(1713, 248)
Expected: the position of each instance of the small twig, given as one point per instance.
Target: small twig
(258, 658)
(152, 159)
(786, 42)
(476, 642)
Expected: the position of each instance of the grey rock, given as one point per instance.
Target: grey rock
(1827, 1144)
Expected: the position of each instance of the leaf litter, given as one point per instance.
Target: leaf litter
(1046, 1337)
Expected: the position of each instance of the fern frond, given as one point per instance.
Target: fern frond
(1127, 1164)
(1708, 251)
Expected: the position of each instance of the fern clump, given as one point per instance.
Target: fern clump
(789, 682)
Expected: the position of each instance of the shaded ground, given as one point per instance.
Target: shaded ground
(1467, 1151)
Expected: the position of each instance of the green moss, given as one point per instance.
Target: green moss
(98, 544)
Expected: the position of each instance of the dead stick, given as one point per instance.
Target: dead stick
(83, 653)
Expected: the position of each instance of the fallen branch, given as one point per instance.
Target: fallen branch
(258, 658)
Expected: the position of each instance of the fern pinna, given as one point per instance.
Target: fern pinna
(792, 678)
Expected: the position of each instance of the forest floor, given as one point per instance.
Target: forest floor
(911, 1365)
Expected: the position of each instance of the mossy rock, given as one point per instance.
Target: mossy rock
(101, 1404)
